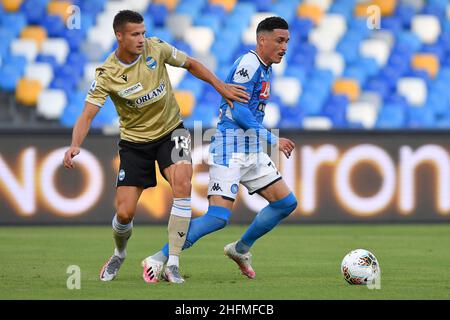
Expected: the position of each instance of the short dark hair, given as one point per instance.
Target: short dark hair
(271, 23)
(125, 16)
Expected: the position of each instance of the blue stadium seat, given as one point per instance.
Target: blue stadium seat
(54, 25)
(164, 34)
(192, 84)
(158, 12)
(420, 118)
(390, 117)
(14, 22)
(9, 76)
(208, 20)
(34, 10)
(74, 37)
(18, 62)
(405, 13)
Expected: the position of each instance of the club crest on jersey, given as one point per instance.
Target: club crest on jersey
(151, 63)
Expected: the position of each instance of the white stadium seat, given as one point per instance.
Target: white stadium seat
(193, 34)
(178, 23)
(56, 47)
(272, 115)
(288, 89)
(176, 75)
(249, 34)
(25, 47)
(317, 123)
(51, 103)
(323, 4)
(332, 61)
(426, 27)
(323, 40)
(413, 89)
(89, 70)
(43, 72)
(103, 35)
(375, 48)
(362, 112)
(334, 24)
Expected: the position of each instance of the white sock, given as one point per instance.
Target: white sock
(173, 260)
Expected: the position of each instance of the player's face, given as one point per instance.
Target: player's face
(274, 45)
(132, 38)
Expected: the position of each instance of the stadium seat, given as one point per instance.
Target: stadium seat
(186, 101)
(426, 27)
(323, 40)
(391, 117)
(36, 33)
(26, 48)
(413, 89)
(51, 103)
(375, 48)
(41, 72)
(178, 23)
(427, 62)
(272, 115)
(349, 87)
(331, 61)
(363, 113)
(59, 8)
(57, 47)
(288, 89)
(169, 4)
(317, 123)
(387, 7)
(27, 91)
(227, 4)
(11, 5)
(9, 77)
(310, 11)
(194, 33)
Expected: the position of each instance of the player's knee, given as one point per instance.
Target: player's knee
(124, 215)
(182, 188)
(286, 205)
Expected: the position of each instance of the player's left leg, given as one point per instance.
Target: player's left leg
(265, 180)
(281, 203)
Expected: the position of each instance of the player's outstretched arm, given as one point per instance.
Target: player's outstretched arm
(80, 131)
(230, 92)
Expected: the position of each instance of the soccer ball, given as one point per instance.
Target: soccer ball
(360, 267)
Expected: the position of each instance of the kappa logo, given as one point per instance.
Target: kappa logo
(243, 73)
(216, 187)
(181, 234)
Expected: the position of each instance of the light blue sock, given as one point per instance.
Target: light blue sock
(215, 219)
(266, 220)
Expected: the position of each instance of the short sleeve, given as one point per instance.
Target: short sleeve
(98, 93)
(172, 55)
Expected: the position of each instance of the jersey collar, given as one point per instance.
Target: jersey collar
(126, 65)
(259, 58)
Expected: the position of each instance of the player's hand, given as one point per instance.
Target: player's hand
(234, 92)
(68, 156)
(286, 146)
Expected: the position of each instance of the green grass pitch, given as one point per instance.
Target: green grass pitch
(291, 262)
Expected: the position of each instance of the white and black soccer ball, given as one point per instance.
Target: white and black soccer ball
(360, 267)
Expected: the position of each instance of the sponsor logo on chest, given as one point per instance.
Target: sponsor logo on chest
(130, 90)
(151, 96)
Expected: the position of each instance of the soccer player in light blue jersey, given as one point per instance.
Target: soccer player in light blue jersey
(237, 156)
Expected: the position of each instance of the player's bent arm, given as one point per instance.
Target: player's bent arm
(246, 120)
(230, 92)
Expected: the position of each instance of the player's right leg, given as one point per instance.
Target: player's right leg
(122, 225)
